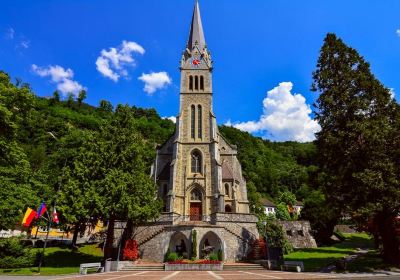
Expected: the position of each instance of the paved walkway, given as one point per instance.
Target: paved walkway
(209, 275)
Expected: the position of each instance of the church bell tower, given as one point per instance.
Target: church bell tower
(198, 172)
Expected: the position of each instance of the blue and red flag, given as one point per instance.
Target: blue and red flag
(42, 209)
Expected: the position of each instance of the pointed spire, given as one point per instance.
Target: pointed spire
(196, 34)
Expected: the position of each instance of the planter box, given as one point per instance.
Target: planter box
(194, 266)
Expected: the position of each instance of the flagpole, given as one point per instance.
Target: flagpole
(45, 242)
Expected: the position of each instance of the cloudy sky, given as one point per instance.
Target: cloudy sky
(264, 52)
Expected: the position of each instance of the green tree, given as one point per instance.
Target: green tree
(359, 141)
(128, 189)
(16, 192)
(56, 98)
(269, 227)
(106, 106)
(81, 96)
(70, 100)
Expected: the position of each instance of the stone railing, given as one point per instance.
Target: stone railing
(233, 217)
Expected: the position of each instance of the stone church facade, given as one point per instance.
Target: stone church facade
(197, 172)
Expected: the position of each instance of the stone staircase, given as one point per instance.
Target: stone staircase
(235, 234)
(148, 235)
(243, 266)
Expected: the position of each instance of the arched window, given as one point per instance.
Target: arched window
(190, 82)
(227, 189)
(195, 195)
(196, 82)
(201, 83)
(196, 162)
(228, 208)
(200, 121)
(193, 121)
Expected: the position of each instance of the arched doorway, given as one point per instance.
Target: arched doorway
(179, 244)
(196, 205)
(210, 243)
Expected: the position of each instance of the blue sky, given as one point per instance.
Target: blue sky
(258, 46)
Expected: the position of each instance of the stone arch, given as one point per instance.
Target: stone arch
(196, 201)
(180, 244)
(211, 241)
(228, 208)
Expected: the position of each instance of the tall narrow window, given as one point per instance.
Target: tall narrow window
(200, 121)
(227, 190)
(190, 82)
(193, 121)
(196, 162)
(196, 82)
(201, 83)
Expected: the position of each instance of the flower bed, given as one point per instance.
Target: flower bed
(193, 265)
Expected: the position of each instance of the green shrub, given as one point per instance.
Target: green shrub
(13, 254)
(172, 256)
(220, 255)
(213, 257)
(194, 244)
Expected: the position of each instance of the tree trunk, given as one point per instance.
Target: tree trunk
(127, 234)
(391, 243)
(75, 236)
(108, 249)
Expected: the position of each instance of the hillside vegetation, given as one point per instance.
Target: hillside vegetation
(40, 138)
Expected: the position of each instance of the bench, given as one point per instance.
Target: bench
(298, 266)
(84, 267)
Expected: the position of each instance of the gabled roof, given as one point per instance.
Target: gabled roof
(267, 202)
(196, 34)
(227, 173)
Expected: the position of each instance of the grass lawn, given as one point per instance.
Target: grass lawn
(316, 258)
(370, 262)
(60, 260)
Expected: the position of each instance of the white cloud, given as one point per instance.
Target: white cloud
(60, 76)
(10, 32)
(155, 81)
(24, 44)
(285, 117)
(392, 93)
(398, 32)
(171, 118)
(112, 63)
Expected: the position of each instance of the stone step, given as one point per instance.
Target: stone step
(142, 268)
(243, 267)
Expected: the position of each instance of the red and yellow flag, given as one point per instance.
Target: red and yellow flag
(30, 214)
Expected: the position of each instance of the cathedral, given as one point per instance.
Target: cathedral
(197, 172)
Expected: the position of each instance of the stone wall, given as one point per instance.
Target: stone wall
(233, 247)
(298, 233)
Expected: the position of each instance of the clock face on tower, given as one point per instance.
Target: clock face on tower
(196, 61)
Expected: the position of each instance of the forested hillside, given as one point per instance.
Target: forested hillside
(41, 138)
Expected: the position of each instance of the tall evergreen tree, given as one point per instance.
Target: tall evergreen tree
(358, 142)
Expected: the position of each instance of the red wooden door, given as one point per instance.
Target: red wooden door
(195, 211)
